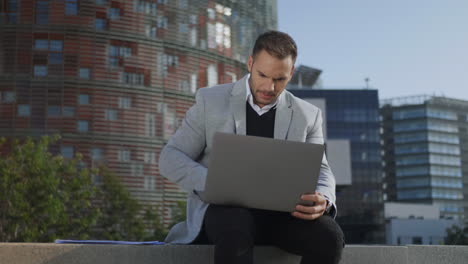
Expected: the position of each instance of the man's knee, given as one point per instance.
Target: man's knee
(328, 236)
(320, 236)
(229, 222)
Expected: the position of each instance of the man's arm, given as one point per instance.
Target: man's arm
(326, 181)
(177, 160)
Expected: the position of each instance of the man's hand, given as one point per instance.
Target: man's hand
(311, 212)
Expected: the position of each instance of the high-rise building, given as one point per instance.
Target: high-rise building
(426, 152)
(353, 116)
(115, 78)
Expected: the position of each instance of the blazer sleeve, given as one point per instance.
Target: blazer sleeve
(326, 182)
(177, 161)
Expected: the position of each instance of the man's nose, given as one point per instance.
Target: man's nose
(270, 85)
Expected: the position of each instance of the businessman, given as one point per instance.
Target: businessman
(256, 105)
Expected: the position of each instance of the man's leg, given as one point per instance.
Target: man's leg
(317, 241)
(232, 231)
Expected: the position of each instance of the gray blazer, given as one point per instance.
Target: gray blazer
(184, 159)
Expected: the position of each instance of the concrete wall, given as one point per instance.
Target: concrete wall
(34, 253)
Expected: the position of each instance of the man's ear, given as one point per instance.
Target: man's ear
(250, 63)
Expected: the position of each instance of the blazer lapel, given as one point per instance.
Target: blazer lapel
(237, 102)
(283, 117)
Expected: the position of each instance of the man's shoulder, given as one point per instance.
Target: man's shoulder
(300, 104)
(216, 90)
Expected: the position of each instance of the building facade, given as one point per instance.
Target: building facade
(115, 78)
(426, 152)
(407, 223)
(353, 115)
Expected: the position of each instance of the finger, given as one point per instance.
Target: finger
(306, 216)
(318, 198)
(310, 209)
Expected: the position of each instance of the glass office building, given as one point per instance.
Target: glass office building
(426, 152)
(354, 115)
(115, 78)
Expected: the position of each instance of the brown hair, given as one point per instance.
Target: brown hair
(277, 44)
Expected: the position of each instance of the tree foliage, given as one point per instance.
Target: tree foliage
(44, 197)
(457, 235)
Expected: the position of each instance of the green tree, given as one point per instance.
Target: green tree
(121, 217)
(43, 197)
(179, 212)
(155, 224)
(457, 235)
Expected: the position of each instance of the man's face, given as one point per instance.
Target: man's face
(268, 77)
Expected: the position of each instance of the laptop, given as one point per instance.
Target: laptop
(262, 173)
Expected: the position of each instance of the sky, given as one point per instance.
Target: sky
(405, 47)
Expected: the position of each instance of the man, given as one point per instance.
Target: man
(256, 105)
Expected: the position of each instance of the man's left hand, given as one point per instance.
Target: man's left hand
(311, 212)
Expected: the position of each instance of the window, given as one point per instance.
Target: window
(133, 78)
(83, 99)
(42, 44)
(56, 45)
(212, 75)
(53, 111)
(42, 12)
(150, 30)
(101, 24)
(136, 169)
(193, 82)
(24, 110)
(101, 2)
(150, 157)
(67, 151)
(183, 28)
(40, 70)
(124, 155)
(96, 153)
(146, 7)
(162, 22)
(10, 9)
(82, 126)
(150, 125)
(55, 58)
(150, 183)
(124, 102)
(117, 52)
(111, 114)
(8, 97)
(85, 73)
(68, 111)
(71, 7)
(114, 13)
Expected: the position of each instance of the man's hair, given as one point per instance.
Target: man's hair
(278, 44)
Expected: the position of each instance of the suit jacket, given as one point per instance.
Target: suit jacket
(184, 159)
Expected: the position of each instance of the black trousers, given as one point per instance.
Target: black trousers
(235, 230)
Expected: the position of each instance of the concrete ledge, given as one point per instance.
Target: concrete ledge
(37, 253)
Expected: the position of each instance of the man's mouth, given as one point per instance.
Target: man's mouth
(266, 95)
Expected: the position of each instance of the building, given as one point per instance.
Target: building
(115, 78)
(426, 153)
(352, 117)
(415, 224)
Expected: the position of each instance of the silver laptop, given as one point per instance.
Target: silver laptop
(262, 173)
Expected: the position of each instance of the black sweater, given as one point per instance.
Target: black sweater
(262, 126)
